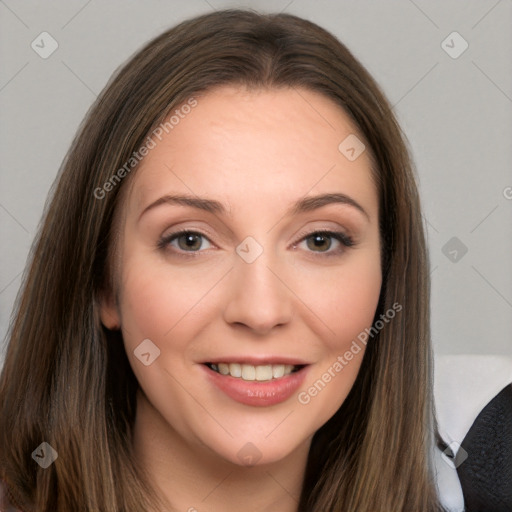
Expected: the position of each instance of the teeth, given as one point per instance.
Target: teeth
(263, 372)
(235, 370)
(248, 372)
(277, 371)
(223, 368)
(251, 373)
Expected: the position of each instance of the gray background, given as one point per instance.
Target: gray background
(456, 113)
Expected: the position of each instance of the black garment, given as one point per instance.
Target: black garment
(486, 474)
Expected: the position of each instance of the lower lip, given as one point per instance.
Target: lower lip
(258, 393)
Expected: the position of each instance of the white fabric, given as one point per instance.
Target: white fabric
(463, 386)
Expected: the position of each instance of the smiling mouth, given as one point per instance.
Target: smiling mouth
(249, 372)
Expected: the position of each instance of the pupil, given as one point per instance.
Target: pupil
(320, 242)
(191, 241)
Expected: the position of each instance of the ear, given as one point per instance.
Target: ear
(109, 313)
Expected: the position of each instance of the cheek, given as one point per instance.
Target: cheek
(162, 303)
(344, 299)
(356, 303)
(148, 306)
(347, 300)
(146, 302)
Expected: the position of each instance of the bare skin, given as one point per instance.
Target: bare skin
(198, 300)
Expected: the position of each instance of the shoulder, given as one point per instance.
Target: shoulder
(464, 385)
(473, 396)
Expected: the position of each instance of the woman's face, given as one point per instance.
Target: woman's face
(215, 318)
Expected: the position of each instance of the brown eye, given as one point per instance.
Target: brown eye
(327, 243)
(189, 242)
(319, 242)
(185, 241)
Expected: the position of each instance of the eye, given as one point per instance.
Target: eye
(185, 241)
(327, 242)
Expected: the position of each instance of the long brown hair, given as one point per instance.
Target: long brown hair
(66, 379)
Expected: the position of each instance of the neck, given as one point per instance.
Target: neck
(193, 478)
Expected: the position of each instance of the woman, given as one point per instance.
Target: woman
(228, 301)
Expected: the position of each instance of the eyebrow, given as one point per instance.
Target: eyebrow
(306, 204)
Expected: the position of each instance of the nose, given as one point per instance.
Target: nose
(258, 297)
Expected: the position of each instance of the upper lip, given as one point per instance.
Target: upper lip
(258, 360)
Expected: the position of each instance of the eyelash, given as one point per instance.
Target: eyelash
(344, 240)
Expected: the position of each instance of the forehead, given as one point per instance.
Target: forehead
(239, 144)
